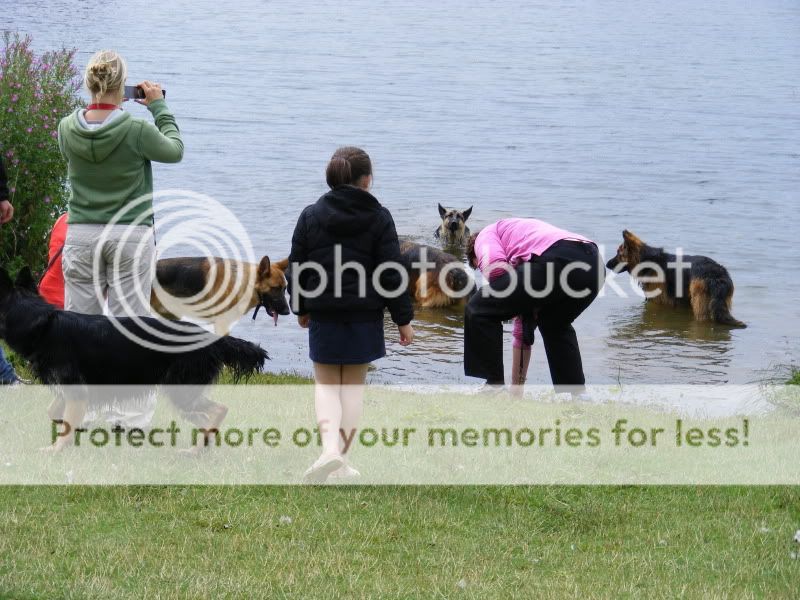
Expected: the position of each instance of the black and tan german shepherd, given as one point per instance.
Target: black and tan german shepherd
(221, 290)
(453, 229)
(705, 285)
(427, 290)
(86, 352)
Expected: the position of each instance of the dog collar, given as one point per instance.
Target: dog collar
(261, 302)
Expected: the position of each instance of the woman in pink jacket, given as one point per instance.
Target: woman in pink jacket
(533, 268)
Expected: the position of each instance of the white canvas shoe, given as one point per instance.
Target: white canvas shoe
(322, 468)
(344, 472)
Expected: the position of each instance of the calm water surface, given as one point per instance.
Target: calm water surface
(676, 120)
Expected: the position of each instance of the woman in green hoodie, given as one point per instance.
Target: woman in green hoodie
(109, 251)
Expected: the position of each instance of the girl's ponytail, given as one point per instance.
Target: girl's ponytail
(347, 166)
(338, 172)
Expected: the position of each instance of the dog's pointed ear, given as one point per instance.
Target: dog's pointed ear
(467, 213)
(6, 284)
(282, 265)
(263, 267)
(442, 211)
(631, 240)
(25, 280)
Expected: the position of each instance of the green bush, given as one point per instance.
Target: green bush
(35, 93)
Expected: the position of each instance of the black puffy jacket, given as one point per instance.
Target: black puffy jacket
(353, 219)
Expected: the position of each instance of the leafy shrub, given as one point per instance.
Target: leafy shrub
(35, 93)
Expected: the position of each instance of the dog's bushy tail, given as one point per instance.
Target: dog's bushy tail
(721, 290)
(242, 357)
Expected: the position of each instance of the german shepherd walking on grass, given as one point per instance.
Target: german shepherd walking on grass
(426, 289)
(222, 290)
(705, 285)
(71, 349)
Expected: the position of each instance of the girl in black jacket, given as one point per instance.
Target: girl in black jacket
(345, 269)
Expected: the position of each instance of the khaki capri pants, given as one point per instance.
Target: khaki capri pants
(124, 270)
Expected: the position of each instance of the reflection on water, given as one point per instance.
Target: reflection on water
(656, 339)
(437, 349)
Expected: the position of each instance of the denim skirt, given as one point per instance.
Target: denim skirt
(334, 343)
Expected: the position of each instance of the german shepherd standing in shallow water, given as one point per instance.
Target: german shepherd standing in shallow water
(222, 290)
(453, 231)
(705, 285)
(71, 349)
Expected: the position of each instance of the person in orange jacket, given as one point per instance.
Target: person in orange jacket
(51, 285)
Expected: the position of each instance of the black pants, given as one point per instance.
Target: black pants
(565, 266)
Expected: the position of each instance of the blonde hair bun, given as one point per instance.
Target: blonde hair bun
(100, 70)
(106, 72)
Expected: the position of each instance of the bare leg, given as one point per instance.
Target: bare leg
(328, 405)
(520, 360)
(352, 397)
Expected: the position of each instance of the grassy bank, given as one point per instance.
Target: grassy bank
(795, 378)
(472, 542)
(398, 542)
(267, 379)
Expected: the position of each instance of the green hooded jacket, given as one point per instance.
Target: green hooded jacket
(109, 167)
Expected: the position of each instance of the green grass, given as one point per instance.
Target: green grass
(398, 542)
(19, 364)
(795, 378)
(267, 379)
(475, 542)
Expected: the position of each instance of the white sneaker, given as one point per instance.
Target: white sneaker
(582, 397)
(15, 385)
(322, 468)
(491, 389)
(345, 472)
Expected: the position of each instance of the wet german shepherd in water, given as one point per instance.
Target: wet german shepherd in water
(426, 287)
(705, 285)
(71, 349)
(221, 290)
(453, 230)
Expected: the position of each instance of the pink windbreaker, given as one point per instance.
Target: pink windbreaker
(515, 241)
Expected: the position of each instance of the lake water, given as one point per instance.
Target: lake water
(677, 120)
